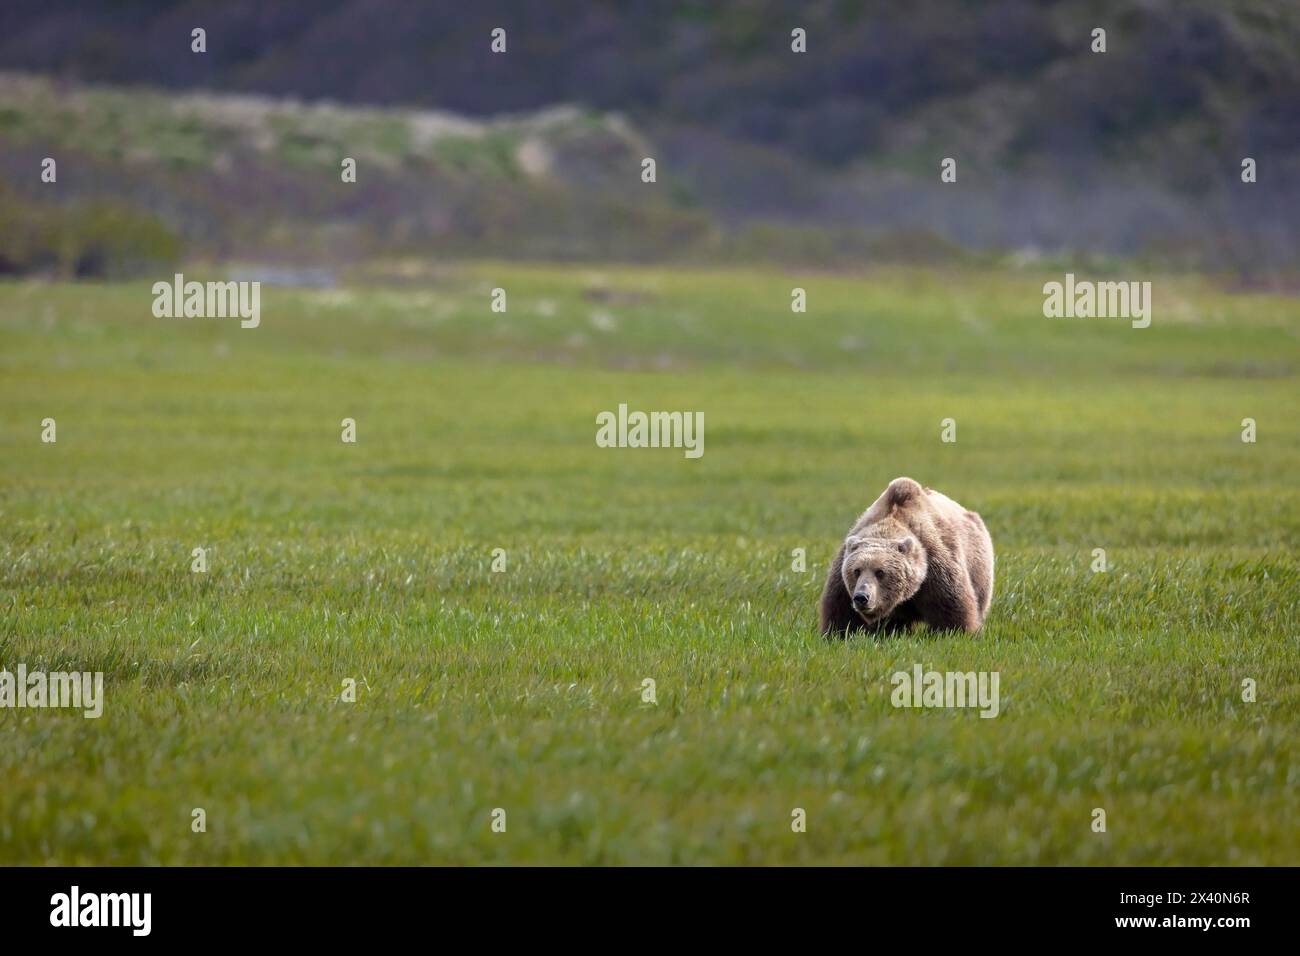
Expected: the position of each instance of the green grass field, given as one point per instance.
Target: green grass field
(523, 690)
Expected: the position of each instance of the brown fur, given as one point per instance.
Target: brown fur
(914, 555)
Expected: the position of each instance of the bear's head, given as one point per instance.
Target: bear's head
(882, 568)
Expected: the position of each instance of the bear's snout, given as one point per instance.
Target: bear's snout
(862, 599)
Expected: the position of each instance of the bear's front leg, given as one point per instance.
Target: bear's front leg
(837, 615)
(946, 600)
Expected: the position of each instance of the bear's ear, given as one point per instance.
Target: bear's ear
(904, 546)
(851, 543)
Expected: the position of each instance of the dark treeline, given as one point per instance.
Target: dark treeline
(1228, 68)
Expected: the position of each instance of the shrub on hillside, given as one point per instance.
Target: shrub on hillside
(100, 239)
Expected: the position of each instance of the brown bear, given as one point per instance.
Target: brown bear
(914, 555)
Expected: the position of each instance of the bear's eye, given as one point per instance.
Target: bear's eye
(880, 575)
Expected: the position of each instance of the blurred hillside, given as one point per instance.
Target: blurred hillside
(245, 175)
(831, 156)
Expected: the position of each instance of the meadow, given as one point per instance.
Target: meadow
(523, 689)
